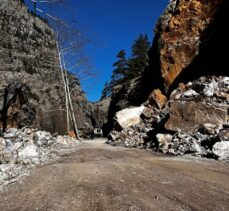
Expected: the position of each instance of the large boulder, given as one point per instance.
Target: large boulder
(189, 116)
(221, 150)
(198, 106)
(129, 116)
(198, 119)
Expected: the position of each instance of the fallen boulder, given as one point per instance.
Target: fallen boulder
(129, 116)
(221, 150)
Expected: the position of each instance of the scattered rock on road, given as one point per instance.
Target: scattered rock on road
(21, 149)
(193, 121)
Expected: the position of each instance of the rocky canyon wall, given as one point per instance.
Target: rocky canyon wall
(30, 79)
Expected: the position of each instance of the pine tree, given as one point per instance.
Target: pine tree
(120, 71)
(139, 60)
(105, 91)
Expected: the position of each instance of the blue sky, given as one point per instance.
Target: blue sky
(112, 25)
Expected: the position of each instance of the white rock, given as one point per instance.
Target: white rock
(211, 88)
(164, 140)
(10, 133)
(190, 93)
(29, 151)
(42, 138)
(129, 116)
(189, 84)
(61, 140)
(226, 81)
(221, 149)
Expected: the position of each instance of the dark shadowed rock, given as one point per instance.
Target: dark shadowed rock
(99, 112)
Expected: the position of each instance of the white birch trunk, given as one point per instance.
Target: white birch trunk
(65, 85)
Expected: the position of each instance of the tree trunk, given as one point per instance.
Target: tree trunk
(5, 111)
(65, 86)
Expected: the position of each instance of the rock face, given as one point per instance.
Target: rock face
(100, 113)
(30, 78)
(190, 42)
(181, 30)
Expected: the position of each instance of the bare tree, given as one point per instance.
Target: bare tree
(70, 43)
(43, 1)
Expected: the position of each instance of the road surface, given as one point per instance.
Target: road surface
(100, 177)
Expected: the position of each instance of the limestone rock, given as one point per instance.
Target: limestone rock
(221, 150)
(164, 140)
(27, 147)
(129, 116)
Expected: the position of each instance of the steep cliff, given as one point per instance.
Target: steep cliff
(191, 40)
(30, 79)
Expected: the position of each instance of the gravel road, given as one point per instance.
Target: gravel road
(101, 177)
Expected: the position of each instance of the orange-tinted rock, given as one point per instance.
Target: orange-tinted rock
(157, 98)
(181, 38)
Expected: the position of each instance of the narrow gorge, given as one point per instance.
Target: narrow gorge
(158, 138)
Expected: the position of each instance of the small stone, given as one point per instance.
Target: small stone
(157, 98)
(224, 135)
(190, 93)
(164, 140)
(209, 129)
(210, 88)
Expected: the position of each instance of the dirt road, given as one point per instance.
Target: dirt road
(100, 177)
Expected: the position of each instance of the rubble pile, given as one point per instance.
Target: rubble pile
(193, 121)
(21, 149)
